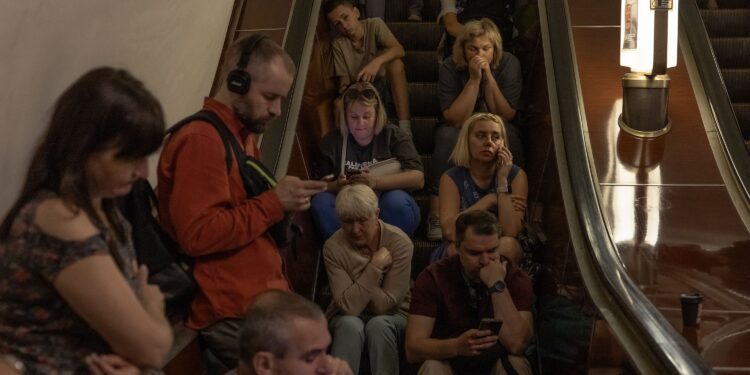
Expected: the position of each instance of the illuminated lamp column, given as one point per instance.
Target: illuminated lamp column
(648, 46)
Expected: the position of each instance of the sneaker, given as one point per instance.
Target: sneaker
(414, 17)
(434, 233)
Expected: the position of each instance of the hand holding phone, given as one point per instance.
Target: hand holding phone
(492, 325)
(352, 172)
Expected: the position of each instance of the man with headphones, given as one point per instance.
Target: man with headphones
(204, 204)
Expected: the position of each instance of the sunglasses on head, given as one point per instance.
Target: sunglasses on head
(354, 93)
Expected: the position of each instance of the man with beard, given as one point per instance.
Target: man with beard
(204, 205)
(453, 298)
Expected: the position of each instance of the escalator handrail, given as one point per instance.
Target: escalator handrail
(713, 83)
(651, 342)
(278, 139)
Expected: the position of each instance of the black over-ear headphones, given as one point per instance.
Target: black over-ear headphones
(238, 80)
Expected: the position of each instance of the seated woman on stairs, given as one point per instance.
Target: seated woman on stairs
(478, 77)
(484, 178)
(363, 138)
(368, 264)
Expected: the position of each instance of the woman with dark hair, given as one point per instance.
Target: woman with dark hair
(69, 284)
(363, 138)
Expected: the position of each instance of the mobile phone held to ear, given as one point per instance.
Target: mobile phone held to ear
(492, 325)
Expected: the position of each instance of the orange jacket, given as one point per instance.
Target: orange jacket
(206, 211)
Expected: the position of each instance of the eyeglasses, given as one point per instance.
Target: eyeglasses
(354, 93)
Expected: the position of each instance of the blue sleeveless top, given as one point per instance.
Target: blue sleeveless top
(468, 191)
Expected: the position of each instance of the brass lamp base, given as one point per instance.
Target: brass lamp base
(645, 105)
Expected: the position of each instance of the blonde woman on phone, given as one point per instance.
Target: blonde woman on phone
(484, 178)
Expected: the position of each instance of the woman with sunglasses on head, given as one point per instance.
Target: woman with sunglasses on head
(71, 294)
(484, 178)
(363, 138)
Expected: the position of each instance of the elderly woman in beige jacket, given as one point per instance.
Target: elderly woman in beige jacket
(369, 265)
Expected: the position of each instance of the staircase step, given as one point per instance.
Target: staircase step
(726, 22)
(421, 66)
(425, 159)
(423, 99)
(742, 112)
(420, 40)
(737, 82)
(730, 52)
(421, 257)
(417, 36)
(422, 198)
(733, 4)
(398, 10)
(421, 129)
(426, 244)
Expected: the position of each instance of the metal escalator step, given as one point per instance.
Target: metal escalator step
(422, 198)
(421, 257)
(733, 4)
(421, 129)
(425, 245)
(417, 36)
(737, 82)
(726, 22)
(397, 10)
(423, 99)
(732, 52)
(421, 66)
(742, 112)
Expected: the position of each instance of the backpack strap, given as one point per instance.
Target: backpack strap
(256, 178)
(253, 184)
(215, 121)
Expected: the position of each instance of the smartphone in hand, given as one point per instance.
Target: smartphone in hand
(492, 325)
(352, 172)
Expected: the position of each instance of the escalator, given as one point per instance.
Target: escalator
(651, 218)
(728, 25)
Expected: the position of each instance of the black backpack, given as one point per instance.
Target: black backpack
(256, 178)
(169, 267)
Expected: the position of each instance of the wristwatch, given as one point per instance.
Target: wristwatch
(502, 189)
(498, 287)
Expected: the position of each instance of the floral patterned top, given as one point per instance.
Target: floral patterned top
(36, 324)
